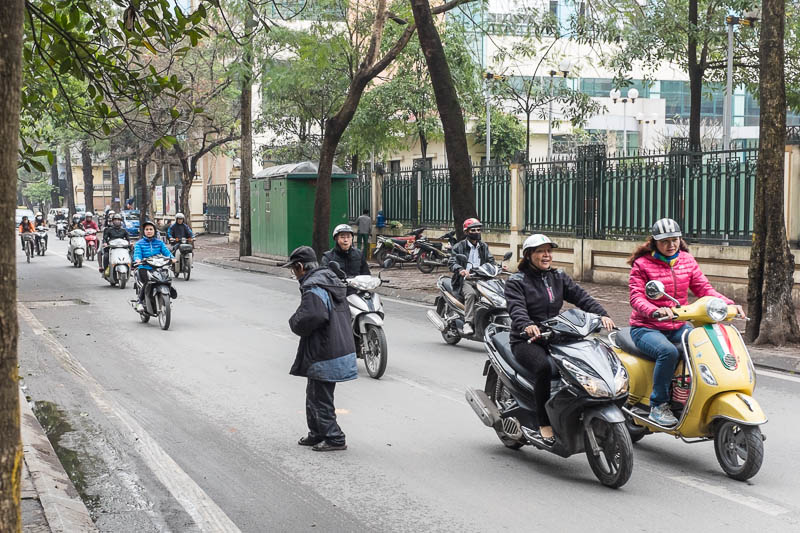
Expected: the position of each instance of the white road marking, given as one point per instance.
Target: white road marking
(777, 375)
(205, 513)
(739, 499)
(420, 386)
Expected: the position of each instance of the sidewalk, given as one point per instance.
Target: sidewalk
(50, 502)
(408, 283)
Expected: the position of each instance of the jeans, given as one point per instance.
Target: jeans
(537, 361)
(470, 297)
(363, 243)
(144, 276)
(321, 414)
(659, 346)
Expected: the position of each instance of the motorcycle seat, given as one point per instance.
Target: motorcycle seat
(502, 342)
(625, 342)
(447, 284)
(402, 241)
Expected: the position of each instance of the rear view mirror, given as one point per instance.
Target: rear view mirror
(654, 289)
(388, 263)
(507, 256)
(336, 269)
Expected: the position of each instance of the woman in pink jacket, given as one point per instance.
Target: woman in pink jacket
(666, 258)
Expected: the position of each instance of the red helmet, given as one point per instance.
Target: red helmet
(472, 223)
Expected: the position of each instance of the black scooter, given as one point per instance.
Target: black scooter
(589, 386)
(159, 292)
(432, 254)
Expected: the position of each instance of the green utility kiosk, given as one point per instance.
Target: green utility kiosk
(282, 206)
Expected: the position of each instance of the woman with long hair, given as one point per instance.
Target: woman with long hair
(664, 257)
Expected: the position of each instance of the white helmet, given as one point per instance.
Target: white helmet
(38, 213)
(536, 240)
(179, 215)
(342, 228)
(89, 214)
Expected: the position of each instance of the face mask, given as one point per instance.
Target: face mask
(474, 236)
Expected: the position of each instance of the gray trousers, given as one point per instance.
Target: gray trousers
(470, 298)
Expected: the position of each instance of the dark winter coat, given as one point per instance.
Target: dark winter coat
(179, 231)
(462, 247)
(112, 232)
(327, 351)
(534, 295)
(352, 262)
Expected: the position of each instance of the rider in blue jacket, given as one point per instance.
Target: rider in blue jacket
(145, 247)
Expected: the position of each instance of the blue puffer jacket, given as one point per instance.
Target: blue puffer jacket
(148, 247)
(327, 350)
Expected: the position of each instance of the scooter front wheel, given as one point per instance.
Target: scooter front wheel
(122, 281)
(164, 311)
(739, 449)
(375, 351)
(614, 464)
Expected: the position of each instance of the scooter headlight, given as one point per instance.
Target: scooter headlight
(593, 385)
(621, 382)
(707, 375)
(717, 309)
(494, 298)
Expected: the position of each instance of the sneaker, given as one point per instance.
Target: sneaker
(467, 329)
(662, 415)
(325, 446)
(139, 307)
(308, 441)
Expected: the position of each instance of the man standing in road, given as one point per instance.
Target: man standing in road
(326, 353)
(364, 226)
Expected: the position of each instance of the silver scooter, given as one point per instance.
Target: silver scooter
(77, 247)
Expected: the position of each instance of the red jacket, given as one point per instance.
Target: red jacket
(678, 278)
(92, 225)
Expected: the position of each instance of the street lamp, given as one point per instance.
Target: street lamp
(489, 76)
(563, 68)
(749, 19)
(615, 95)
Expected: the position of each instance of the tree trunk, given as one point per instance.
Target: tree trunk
(246, 173)
(127, 187)
(455, 138)
(54, 201)
(769, 292)
(11, 12)
(423, 145)
(151, 187)
(141, 180)
(115, 194)
(88, 177)
(70, 192)
(186, 187)
(695, 82)
(528, 135)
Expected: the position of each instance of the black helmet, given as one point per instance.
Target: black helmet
(665, 228)
(148, 223)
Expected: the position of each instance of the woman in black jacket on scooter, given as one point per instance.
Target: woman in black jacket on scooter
(534, 294)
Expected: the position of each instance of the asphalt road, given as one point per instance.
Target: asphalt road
(194, 429)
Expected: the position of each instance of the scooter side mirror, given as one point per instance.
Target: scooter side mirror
(507, 256)
(654, 289)
(336, 269)
(388, 263)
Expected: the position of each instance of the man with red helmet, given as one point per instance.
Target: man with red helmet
(477, 254)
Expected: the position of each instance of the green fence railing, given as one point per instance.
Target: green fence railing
(358, 198)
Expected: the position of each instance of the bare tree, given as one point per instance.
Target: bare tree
(770, 276)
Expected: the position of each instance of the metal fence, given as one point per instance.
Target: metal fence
(358, 199)
(594, 196)
(218, 211)
(421, 196)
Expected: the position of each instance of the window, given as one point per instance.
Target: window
(394, 167)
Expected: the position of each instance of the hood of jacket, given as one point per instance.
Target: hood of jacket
(324, 278)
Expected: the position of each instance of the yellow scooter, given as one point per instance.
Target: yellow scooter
(711, 390)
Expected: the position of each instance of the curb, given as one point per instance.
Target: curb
(772, 361)
(62, 505)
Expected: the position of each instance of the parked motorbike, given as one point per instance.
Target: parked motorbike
(489, 309)
(711, 390)
(432, 254)
(91, 244)
(159, 292)
(366, 311)
(397, 249)
(589, 385)
(41, 239)
(183, 257)
(61, 229)
(27, 240)
(77, 247)
(118, 269)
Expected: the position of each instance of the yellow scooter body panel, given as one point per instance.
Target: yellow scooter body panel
(640, 376)
(736, 406)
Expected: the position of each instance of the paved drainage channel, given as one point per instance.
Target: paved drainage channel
(46, 304)
(55, 424)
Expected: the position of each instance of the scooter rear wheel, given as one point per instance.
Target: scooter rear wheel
(739, 449)
(614, 465)
(497, 393)
(450, 337)
(423, 267)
